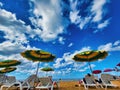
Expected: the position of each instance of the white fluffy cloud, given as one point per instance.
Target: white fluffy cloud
(87, 67)
(61, 40)
(15, 31)
(14, 34)
(116, 43)
(67, 62)
(110, 46)
(95, 14)
(75, 17)
(1, 4)
(12, 28)
(47, 15)
(9, 48)
(71, 44)
(104, 24)
(97, 9)
(47, 28)
(26, 66)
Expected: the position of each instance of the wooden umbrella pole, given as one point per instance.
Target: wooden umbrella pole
(90, 67)
(37, 68)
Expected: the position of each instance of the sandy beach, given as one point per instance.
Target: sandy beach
(71, 85)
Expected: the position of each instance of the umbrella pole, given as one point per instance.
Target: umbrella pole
(90, 67)
(37, 68)
(46, 74)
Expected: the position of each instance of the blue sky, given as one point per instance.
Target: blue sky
(62, 27)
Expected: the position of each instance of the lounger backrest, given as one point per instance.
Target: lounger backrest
(113, 77)
(105, 78)
(89, 80)
(30, 80)
(11, 79)
(45, 81)
(2, 78)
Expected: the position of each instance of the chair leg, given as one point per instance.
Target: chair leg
(85, 86)
(2, 87)
(101, 86)
(51, 88)
(106, 87)
(20, 86)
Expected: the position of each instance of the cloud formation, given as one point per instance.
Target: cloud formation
(47, 16)
(13, 29)
(66, 61)
(9, 48)
(110, 46)
(94, 17)
(97, 9)
(1, 4)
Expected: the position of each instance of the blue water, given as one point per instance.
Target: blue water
(67, 79)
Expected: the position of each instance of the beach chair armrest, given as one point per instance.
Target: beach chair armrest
(54, 83)
(39, 84)
(10, 85)
(25, 84)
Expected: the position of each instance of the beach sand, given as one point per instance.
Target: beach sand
(72, 85)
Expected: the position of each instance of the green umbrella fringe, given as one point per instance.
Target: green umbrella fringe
(99, 56)
(87, 54)
(38, 52)
(47, 69)
(10, 64)
(7, 71)
(33, 58)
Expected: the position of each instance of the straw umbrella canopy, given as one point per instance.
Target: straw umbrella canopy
(7, 70)
(38, 56)
(90, 56)
(7, 63)
(47, 69)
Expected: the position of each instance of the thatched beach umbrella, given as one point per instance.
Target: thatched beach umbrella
(7, 63)
(38, 56)
(47, 69)
(90, 56)
(7, 70)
